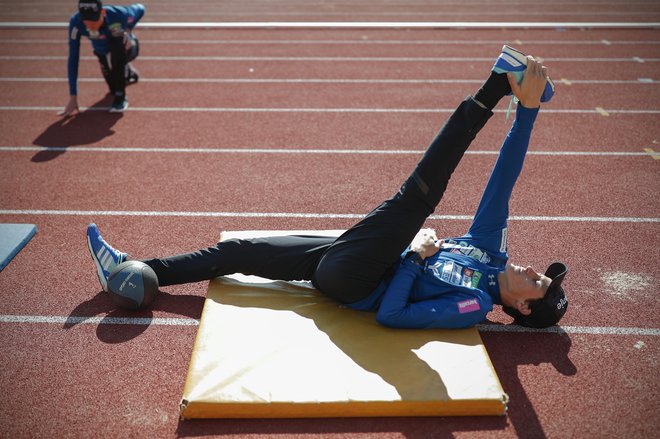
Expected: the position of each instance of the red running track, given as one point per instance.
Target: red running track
(268, 127)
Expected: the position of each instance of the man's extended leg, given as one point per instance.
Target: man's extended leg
(278, 257)
(357, 262)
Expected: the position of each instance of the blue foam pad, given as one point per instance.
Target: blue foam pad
(13, 238)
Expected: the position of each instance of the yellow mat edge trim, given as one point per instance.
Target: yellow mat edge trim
(480, 407)
(187, 388)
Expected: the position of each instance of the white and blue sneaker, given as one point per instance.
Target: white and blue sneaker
(104, 256)
(514, 61)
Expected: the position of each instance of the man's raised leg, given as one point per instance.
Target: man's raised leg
(358, 261)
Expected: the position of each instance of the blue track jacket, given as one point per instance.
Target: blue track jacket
(117, 19)
(457, 287)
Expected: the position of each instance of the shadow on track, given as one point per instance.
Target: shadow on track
(87, 127)
(508, 351)
(110, 331)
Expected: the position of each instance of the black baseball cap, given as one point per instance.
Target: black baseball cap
(549, 310)
(90, 10)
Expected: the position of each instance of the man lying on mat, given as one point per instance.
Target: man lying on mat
(451, 283)
(110, 29)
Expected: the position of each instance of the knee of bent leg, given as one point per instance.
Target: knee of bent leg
(341, 280)
(325, 278)
(133, 48)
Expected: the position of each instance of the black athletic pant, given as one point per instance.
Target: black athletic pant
(350, 267)
(114, 64)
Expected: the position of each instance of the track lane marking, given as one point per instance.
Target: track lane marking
(357, 25)
(326, 59)
(592, 330)
(638, 81)
(313, 12)
(145, 41)
(584, 219)
(76, 320)
(314, 110)
(160, 321)
(305, 151)
(652, 153)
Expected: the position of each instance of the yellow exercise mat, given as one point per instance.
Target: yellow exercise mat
(273, 349)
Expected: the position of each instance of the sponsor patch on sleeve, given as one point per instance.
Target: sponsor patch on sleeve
(469, 305)
(505, 232)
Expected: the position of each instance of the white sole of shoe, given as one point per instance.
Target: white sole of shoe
(511, 54)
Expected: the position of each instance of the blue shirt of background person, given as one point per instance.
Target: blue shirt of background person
(116, 20)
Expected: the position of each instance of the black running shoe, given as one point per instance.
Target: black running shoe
(119, 104)
(132, 77)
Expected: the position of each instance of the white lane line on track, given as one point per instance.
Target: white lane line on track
(316, 110)
(357, 25)
(277, 80)
(638, 81)
(312, 12)
(75, 320)
(583, 219)
(302, 151)
(203, 3)
(146, 41)
(159, 321)
(606, 330)
(454, 59)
